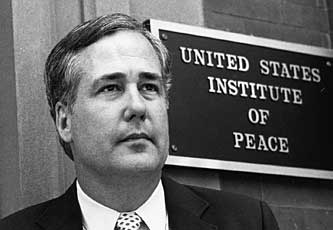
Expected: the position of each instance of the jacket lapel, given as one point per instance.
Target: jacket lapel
(62, 213)
(185, 208)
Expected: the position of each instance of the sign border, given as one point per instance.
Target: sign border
(156, 25)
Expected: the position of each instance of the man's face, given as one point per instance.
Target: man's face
(119, 122)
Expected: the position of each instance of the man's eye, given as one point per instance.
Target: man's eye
(110, 88)
(150, 88)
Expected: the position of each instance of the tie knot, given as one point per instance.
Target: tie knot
(128, 221)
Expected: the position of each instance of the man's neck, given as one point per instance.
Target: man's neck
(121, 192)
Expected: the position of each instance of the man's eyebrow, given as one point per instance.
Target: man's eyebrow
(118, 75)
(150, 76)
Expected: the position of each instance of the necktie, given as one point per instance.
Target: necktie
(130, 221)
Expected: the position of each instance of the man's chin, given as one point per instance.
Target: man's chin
(134, 156)
(137, 169)
(145, 161)
(138, 147)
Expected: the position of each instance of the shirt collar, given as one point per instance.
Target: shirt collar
(153, 211)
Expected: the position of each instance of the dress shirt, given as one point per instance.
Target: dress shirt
(99, 217)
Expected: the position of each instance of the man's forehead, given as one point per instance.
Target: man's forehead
(122, 52)
(126, 43)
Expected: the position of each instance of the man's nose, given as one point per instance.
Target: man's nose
(135, 105)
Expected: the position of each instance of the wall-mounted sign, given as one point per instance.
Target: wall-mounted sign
(250, 104)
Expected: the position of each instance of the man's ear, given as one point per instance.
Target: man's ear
(63, 122)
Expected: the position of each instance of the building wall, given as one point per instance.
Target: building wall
(33, 167)
(9, 186)
(300, 21)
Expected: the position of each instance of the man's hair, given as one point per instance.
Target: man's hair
(63, 71)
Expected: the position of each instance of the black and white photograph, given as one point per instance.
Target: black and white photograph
(155, 115)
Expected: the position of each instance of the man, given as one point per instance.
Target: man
(107, 83)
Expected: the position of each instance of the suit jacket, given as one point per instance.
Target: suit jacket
(188, 208)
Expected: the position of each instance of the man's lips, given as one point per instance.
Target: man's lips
(136, 136)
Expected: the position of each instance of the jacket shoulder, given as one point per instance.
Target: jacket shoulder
(25, 218)
(234, 210)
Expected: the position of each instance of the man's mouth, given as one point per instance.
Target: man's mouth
(136, 136)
